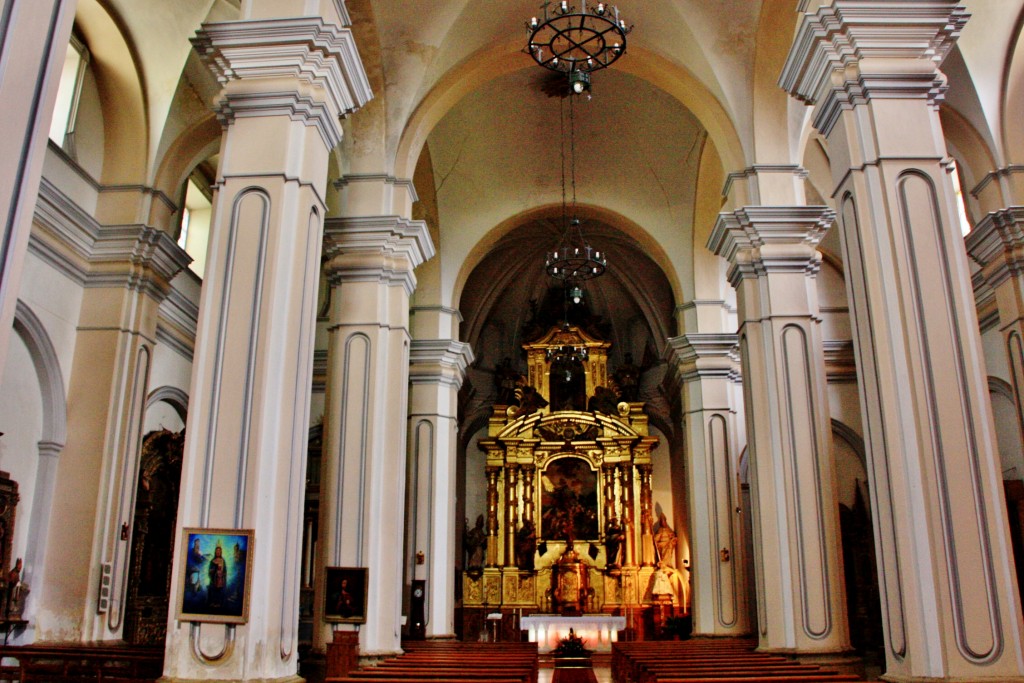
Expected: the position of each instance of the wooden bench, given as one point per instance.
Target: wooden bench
(83, 663)
(712, 661)
(452, 662)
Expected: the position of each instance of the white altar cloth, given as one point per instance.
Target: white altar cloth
(599, 630)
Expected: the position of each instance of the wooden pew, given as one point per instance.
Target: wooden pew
(452, 662)
(83, 663)
(711, 661)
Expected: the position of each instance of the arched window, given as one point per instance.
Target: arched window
(69, 94)
(961, 206)
(194, 233)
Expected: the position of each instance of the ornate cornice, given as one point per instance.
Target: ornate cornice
(63, 234)
(848, 52)
(179, 318)
(376, 248)
(320, 58)
(92, 255)
(404, 183)
(137, 257)
(994, 176)
(997, 244)
(840, 363)
(693, 357)
(751, 175)
(758, 240)
(439, 361)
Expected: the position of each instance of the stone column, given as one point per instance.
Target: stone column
(492, 515)
(628, 525)
(528, 489)
(704, 372)
(511, 513)
(646, 517)
(286, 83)
(610, 508)
(997, 244)
(97, 475)
(946, 571)
(436, 371)
(34, 37)
(370, 271)
(773, 262)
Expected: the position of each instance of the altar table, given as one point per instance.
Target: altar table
(599, 630)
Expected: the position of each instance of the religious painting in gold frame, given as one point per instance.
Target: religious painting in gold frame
(345, 595)
(216, 575)
(568, 501)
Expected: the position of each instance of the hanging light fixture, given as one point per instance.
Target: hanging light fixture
(573, 260)
(577, 43)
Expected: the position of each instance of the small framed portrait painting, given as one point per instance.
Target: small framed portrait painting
(345, 595)
(215, 575)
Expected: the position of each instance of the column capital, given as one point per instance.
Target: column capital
(997, 244)
(1000, 188)
(761, 239)
(306, 69)
(443, 361)
(851, 51)
(372, 248)
(765, 184)
(693, 357)
(137, 257)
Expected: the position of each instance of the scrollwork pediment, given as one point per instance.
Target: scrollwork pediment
(567, 429)
(567, 425)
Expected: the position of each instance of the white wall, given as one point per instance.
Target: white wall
(21, 421)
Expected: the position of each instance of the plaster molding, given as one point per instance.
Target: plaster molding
(995, 176)
(840, 362)
(30, 328)
(292, 104)
(695, 304)
(693, 357)
(144, 190)
(439, 361)
(319, 371)
(850, 51)
(177, 322)
(138, 257)
(321, 57)
(92, 255)
(176, 397)
(757, 240)
(751, 174)
(997, 244)
(376, 248)
(404, 183)
(346, 19)
(63, 234)
(444, 310)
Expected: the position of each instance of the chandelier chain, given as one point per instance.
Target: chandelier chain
(561, 128)
(572, 148)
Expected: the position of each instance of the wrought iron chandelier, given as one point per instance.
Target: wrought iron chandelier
(573, 260)
(577, 42)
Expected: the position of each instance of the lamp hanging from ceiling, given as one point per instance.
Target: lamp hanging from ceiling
(577, 43)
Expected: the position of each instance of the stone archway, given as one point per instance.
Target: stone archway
(156, 512)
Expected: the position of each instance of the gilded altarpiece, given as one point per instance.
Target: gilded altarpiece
(568, 518)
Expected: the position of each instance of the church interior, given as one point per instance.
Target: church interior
(332, 330)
